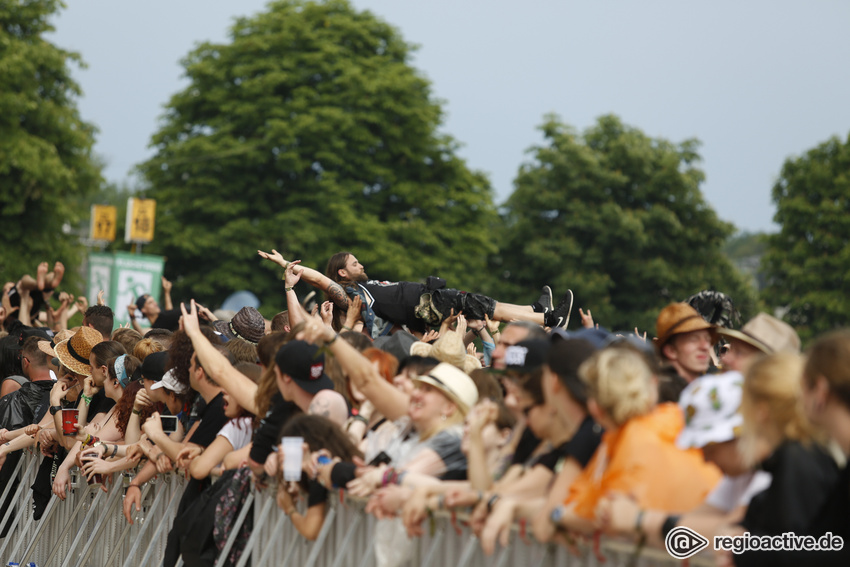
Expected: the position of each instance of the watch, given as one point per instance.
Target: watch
(54, 409)
(557, 514)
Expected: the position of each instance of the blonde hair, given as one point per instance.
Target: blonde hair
(145, 347)
(774, 382)
(620, 382)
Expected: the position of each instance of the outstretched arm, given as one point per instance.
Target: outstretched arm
(219, 369)
(166, 294)
(334, 291)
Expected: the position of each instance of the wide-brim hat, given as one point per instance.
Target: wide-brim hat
(248, 324)
(74, 352)
(679, 318)
(766, 333)
(711, 406)
(47, 347)
(453, 383)
(448, 348)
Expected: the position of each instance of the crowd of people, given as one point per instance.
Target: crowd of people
(422, 398)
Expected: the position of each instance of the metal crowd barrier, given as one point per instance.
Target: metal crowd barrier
(88, 529)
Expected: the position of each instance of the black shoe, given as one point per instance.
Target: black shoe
(560, 316)
(544, 304)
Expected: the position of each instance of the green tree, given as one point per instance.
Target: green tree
(311, 133)
(46, 162)
(807, 263)
(619, 218)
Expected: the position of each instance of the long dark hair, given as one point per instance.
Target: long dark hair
(321, 433)
(107, 351)
(335, 264)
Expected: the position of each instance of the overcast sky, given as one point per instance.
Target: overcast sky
(756, 81)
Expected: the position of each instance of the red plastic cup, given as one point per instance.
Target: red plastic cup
(69, 421)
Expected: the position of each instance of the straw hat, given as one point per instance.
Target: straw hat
(766, 333)
(248, 324)
(679, 318)
(455, 384)
(47, 346)
(448, 348)
(74, 353)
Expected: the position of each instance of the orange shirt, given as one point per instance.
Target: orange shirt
(641, 459)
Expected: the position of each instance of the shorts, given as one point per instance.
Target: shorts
(472, 305)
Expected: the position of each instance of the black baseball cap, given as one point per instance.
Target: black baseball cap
(526, 356)
(152, 367)
(305, 364)
(564, 359)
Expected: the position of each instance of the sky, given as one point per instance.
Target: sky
(756, 82)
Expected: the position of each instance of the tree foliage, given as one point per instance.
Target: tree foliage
(311, 133)
(618, 217)
(46, 164)
(807, 262)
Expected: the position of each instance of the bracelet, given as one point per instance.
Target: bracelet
(639, 521)
(492, 502)
(86, 398)
(136, 412)
(114, 451)
(360, 418)
(389, 477)
(479, 498)
(288, 288)
(668, 525)
(347, 328)
(330, 342)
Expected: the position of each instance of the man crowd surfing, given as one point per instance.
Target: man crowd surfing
(419, 398)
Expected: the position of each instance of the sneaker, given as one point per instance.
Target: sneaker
(560, 316)
(544, 304)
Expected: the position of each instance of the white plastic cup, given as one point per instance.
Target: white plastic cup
(293, 454)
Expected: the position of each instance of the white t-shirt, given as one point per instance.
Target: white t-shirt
(237, 431)
(734, 491)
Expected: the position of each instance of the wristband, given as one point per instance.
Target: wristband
(360, 418)
(668, 525)
(330, 342)
(492, 502)
(289, 288)
(137, 412)
(347, 328)
(639, 521)
(114, 451)
(86, 398)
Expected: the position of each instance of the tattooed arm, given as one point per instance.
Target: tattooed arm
(334, 291)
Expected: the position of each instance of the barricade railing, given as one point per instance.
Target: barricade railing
(89, 529)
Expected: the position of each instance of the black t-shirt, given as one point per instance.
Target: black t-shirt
(316, 494)
(526, 446)
(395, 301)
(268, 433)
(100, 404)
(581, 447)
(212, 420)
(169, 319)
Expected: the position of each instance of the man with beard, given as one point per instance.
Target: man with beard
(415, 305)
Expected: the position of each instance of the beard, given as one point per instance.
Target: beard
(362, 278)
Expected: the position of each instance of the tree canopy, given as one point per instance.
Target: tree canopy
(807, 263)
(619, 218)
(47, 168)
(310, 132)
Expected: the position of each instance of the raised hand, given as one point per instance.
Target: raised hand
(274, 256)
(586, 318)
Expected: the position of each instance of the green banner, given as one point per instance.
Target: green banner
(124, 277)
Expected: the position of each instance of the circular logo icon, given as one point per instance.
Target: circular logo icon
(684, 542)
